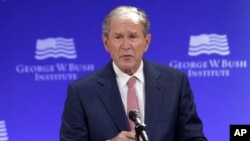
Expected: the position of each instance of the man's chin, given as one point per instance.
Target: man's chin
(128, 68)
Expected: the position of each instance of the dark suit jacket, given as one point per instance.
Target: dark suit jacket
(94, 110)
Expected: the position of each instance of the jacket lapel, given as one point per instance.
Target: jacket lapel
(110, 96)
(153, 93)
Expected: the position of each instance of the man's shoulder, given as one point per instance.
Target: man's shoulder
(164, 73)
(92, 77)
(162, 68)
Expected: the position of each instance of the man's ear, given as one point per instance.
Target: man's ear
(147, 40)
(105, 42)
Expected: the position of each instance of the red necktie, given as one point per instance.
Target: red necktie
(132, 102)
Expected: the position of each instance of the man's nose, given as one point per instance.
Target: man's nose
(126, 44)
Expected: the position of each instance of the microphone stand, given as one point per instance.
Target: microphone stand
(139, 128)
(137, 137)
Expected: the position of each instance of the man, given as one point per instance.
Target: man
(97, 105)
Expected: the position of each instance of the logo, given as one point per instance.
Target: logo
(57, 71)
(214, 67)
(208, 44)
(3, 131)
(55, 48)
(240, 132)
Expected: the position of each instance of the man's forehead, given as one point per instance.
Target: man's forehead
(126, 32)
(125, 21)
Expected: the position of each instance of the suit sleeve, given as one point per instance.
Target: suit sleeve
(189, 123)
(73, 127)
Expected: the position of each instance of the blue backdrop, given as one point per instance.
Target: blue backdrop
(46, 44)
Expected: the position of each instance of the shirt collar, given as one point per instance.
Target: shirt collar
(123, 77)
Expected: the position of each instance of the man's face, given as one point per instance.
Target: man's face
(126, 44)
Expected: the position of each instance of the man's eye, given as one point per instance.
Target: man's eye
(117, 37)
(133, 38)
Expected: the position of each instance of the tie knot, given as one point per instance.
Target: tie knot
(131, 81)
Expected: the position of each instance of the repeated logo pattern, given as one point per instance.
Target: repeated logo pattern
(208, 44)
(3, 131)
(55, 48)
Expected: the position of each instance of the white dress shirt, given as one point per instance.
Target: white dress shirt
(122, 79)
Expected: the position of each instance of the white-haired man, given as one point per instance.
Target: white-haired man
(97, 105)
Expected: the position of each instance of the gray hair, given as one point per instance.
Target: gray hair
(126, 12)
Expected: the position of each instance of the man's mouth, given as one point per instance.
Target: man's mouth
(126, 56)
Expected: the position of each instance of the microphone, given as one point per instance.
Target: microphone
(140, 127)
